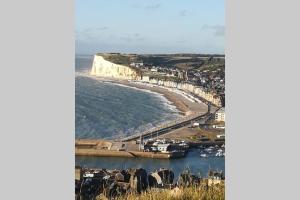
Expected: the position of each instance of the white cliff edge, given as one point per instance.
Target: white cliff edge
(104, 68)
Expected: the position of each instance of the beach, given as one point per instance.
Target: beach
(181, 105)
(184, 104)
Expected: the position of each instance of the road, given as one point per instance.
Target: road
(158, 131)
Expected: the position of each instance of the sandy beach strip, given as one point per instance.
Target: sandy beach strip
(183, 104)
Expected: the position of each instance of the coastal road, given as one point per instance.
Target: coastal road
(158, 131)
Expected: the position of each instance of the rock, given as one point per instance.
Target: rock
(138, 179)
(119, 177)
(154, 180)
(166, 175)
(186, 179)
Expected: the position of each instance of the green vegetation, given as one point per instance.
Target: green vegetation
(211, 67)
(117, 58)
(121, 59)
(171, 61)
(181, 61)
(212, 64)
(201, 192)
(211, 134)
(193, 137)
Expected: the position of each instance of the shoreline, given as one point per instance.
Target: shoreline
(181, 102)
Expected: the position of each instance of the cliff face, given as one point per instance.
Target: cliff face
(104, 68)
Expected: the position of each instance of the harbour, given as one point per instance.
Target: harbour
(188, 121)
(156, 149)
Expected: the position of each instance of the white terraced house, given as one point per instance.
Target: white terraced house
(220, 115)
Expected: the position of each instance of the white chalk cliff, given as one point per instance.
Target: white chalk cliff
(104, 68)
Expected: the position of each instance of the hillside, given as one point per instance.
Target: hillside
(181, 61)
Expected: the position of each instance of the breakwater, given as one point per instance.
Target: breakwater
(166, 127)
(127, 154)
(109, 148)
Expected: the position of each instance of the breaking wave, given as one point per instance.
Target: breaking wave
(110, 110)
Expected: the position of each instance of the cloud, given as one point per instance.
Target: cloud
(183, 13)
(218, 29)
(153, 7)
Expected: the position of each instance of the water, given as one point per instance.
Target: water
(105, 110)
(193, 162)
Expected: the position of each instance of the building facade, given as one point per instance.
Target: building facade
(220, 115)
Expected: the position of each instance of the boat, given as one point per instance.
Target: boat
(219, 154)
(208, 150)
(203, 155)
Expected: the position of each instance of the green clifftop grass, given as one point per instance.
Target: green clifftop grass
(116, 58)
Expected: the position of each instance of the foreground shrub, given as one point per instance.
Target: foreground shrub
(201, 192)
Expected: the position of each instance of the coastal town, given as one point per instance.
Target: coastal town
(202, 75)
(196, 86)
(203, 123)
(205, 72)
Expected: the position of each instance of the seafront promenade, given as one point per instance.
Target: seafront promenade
(167, 127)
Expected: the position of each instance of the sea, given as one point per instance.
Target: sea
(110, 111)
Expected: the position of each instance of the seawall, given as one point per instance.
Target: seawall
(128, 154)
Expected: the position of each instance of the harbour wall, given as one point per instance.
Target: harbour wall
(128, 154)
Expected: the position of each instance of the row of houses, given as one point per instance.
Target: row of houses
(188, 87)
(220, 115)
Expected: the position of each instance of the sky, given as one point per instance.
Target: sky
(144, 26)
